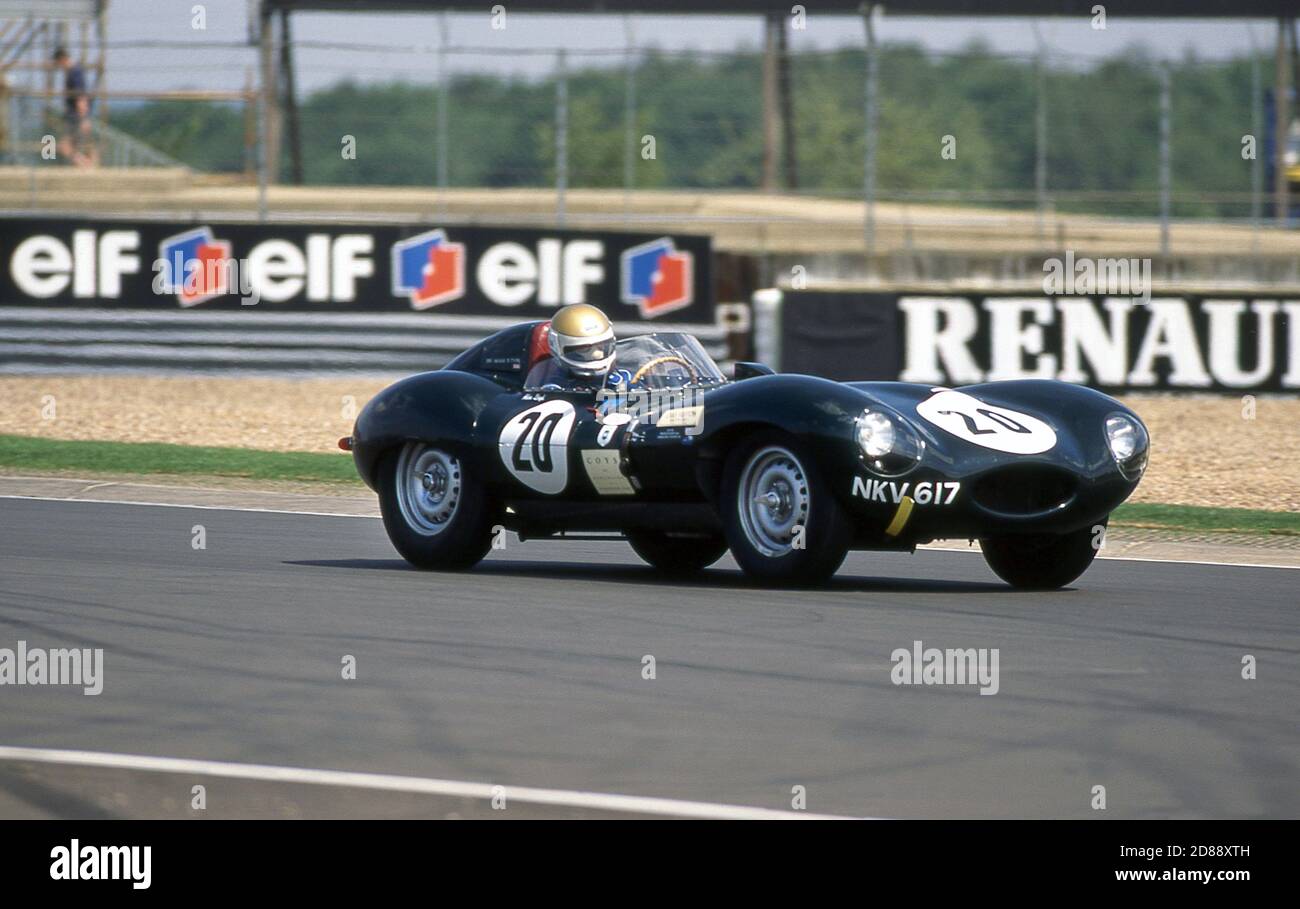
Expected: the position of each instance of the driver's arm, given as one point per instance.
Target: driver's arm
(542, 374)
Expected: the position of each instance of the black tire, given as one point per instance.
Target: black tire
(827, 531)
(462, 539)
(1041, 561)
(676, 555)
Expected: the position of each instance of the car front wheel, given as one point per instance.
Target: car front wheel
(436, 513)
(782, 522)
(1042, 561)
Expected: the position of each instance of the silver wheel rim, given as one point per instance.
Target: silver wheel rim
(773, 500)
(428, 487)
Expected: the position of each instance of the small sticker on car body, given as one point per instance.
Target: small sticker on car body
(602, 466)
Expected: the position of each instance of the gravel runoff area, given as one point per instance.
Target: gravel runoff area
(1207, 449)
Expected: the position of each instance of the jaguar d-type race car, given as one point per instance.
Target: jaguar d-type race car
(789, 472)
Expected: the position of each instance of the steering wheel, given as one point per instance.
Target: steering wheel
(666, 358)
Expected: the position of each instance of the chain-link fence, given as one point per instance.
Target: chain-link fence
(976, 136)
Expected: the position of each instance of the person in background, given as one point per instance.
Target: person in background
(77, 144)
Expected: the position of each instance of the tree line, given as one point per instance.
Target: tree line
(698, 125)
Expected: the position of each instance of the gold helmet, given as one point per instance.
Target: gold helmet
(582, 340)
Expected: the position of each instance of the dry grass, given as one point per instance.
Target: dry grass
(1204, 451)
(266, 414)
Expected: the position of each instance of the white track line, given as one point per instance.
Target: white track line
(1117, 558)
(1196, 562)
(629, 804)
(340, 514)
(314, 514)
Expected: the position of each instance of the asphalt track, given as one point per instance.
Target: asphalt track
(527, 672)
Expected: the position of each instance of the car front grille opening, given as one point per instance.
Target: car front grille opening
(1025, 489)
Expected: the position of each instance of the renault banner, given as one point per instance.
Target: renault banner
(1187, 342)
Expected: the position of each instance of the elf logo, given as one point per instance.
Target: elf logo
(92, 265)
(429, 269)
(657, 278)
(195, 266)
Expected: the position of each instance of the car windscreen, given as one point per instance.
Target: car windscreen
(665, 359)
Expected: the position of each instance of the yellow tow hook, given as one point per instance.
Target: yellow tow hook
(900, 517)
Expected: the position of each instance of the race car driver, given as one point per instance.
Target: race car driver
(581, 343)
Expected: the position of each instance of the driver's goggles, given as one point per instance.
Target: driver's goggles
(589, 353)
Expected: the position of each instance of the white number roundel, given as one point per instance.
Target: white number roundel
(534, 446)
(983, 424)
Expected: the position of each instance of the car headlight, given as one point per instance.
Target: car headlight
(889, 446)
(1129, 444)
(875, 434)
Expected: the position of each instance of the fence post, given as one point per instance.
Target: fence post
(629, 117)
(869, 164)
(1040, 134)
(1040, 147)
(771, 112)
(1281, 124)
(290, 99)
(1256, 127)
(444, 102)
(251, 149)
(561, 135)
(265, 88)
(1165, 117)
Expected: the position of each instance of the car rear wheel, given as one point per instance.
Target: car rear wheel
(436, 513)
(676, 555)
(782, 521)
(1041, 561)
